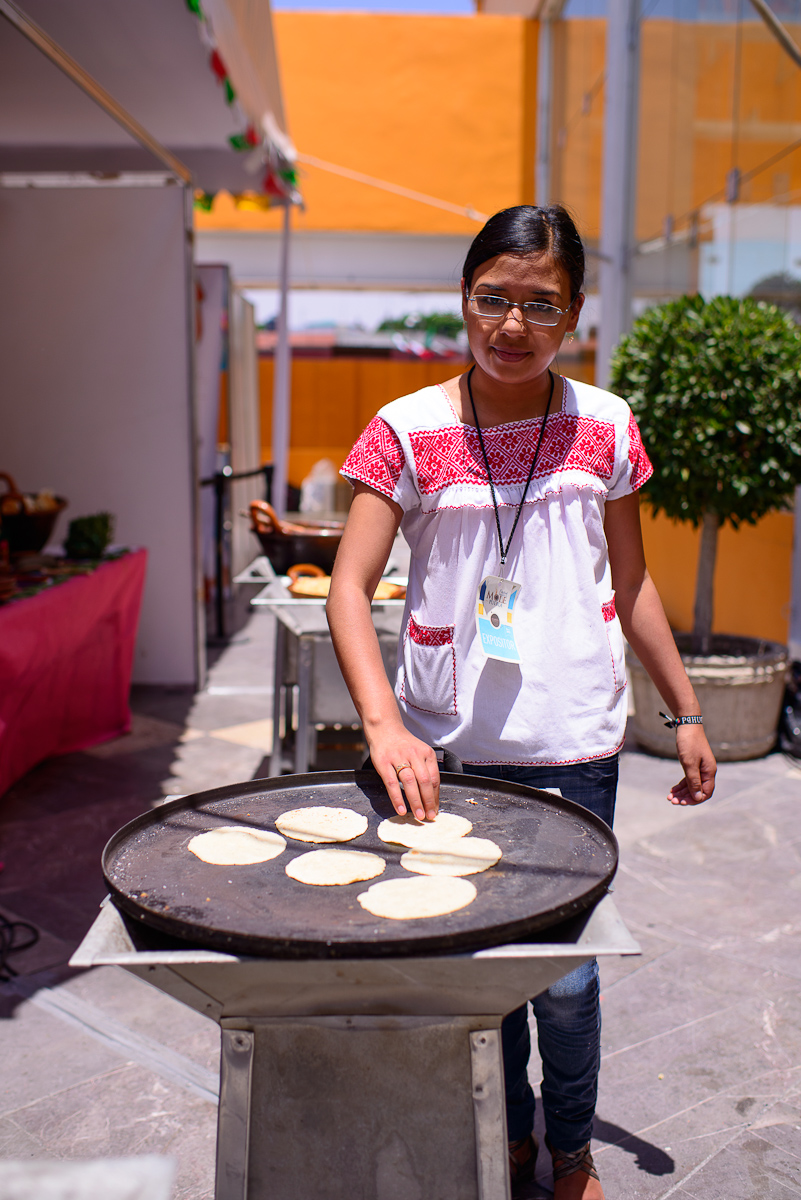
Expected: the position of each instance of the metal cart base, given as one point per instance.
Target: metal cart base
(360, 1079)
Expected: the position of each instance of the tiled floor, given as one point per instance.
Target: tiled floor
(700, 1094)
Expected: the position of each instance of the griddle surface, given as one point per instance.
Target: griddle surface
(558, 859)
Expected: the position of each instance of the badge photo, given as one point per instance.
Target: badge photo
(494, 618)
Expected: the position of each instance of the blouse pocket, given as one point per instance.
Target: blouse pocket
(429, 668)
(614, 636)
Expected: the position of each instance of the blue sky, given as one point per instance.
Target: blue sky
(465, 7)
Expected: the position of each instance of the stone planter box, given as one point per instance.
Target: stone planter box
(739, 687)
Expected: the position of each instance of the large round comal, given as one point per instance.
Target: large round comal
(557, 859)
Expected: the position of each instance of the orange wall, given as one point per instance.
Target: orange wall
(404, 98)
(397, 97)
(686, 127)
(334, 398)
(752, 579)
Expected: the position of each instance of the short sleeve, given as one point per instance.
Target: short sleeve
(378, 460)
(634, 464)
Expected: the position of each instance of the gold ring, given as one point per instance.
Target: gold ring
(400, 767)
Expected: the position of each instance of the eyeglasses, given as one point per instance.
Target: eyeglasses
(496, 308)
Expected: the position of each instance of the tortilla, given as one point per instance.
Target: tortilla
(325, 868)
(321, 824)
(236, 845)
(317, 586)
(460, 856)
(408, 831)
(412, 899)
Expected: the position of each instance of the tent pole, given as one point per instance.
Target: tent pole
(281, 380)
(542, 181)
(619, 189)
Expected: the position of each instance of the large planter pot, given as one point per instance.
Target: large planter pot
(739, 687)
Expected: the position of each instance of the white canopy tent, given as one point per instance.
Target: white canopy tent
(110, 116)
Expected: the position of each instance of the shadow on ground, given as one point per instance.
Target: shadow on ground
(648, 1157)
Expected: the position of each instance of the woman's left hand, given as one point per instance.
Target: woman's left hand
(698, 761)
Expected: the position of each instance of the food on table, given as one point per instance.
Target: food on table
(309, 581)
(87, 537)
(460, 856)
(236, 845)
(325, 868)
(413, 899)
(406, 830)
(321, 824)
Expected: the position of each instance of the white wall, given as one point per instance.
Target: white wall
(94, 383)
(750, 243)
(381, 261)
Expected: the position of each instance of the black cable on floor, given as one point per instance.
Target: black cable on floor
(14, 936)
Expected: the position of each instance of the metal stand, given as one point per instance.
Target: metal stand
(379, 1079)
(308, 688)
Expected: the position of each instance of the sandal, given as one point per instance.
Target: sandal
(569, 1162)
(521, 1170)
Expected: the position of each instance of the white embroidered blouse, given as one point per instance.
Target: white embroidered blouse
(565, 702)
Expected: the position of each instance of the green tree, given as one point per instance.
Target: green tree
(442, 324)
(716, 390)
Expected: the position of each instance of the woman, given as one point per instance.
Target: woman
(516, 490)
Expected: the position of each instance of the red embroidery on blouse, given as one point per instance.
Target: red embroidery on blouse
(452, 455)
(608, 610)
(641, 469)
(377, 458)
(430, 635)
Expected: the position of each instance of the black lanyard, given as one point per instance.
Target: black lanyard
(505, 550)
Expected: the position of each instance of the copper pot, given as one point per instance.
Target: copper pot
(298, 541)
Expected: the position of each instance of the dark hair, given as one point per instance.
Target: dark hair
(523, 230)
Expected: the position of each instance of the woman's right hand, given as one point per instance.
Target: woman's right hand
(403, 761)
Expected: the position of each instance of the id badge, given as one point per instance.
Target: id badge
(494, 618)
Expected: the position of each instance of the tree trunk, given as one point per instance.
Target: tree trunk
(705, 584)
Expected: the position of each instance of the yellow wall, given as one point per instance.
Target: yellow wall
(752, 579)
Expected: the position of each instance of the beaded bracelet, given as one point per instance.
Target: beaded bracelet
(674, 722)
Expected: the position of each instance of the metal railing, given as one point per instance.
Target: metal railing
(221, 482)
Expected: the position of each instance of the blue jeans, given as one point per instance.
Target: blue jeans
(568, 1014)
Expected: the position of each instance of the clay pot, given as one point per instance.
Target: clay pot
(288, 542)
(739, 687)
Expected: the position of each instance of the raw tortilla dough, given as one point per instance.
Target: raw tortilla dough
(460, 856)
(321, 824)
(408, 899)
(408, 831)
(236, 845)
(324, 868)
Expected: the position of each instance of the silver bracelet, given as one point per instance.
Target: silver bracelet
(674, 722)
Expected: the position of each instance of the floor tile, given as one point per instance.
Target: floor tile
(140, 1114)
(146, 733)
(40, 1055)
(257, 734)
(748, 1168)
(148, 1011)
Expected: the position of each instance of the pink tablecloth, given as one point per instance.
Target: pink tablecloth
(65, 665)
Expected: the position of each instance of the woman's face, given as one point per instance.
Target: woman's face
(512, 350)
